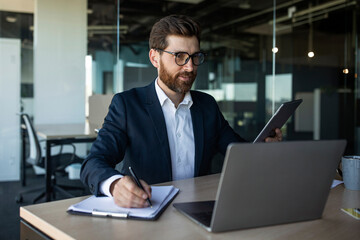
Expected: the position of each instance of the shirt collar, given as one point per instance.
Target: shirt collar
(160, 93)
(163, 97)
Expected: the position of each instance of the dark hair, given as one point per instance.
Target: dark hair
(179, 25)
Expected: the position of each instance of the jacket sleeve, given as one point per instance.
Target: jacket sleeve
(108, 148)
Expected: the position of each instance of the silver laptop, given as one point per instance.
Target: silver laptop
(269, 183)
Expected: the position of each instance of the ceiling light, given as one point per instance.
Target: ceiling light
(346, 71)
(311, 53)
(244, 5)
(275, 50)
(11, 19)
(187, 1)
(291, 11)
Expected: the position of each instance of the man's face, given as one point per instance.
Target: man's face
(178, 78)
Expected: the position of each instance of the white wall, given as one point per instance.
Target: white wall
(9, 107)
(60, 41)
(25, 6)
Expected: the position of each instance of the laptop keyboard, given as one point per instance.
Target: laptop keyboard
(200, 212)
(203, 217)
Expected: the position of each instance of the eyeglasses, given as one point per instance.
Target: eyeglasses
(182, 58)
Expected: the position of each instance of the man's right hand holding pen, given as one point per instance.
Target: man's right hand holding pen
(126, 193)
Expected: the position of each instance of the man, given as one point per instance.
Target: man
(163, 131)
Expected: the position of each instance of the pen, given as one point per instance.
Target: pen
(139, 184)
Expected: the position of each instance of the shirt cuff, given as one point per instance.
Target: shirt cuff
(105, 185)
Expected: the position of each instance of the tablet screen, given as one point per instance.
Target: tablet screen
(278, 119)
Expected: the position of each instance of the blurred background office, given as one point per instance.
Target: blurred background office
(61, 61)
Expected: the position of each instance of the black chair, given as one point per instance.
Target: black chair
(59, 162)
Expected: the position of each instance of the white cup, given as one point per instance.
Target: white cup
(73, 171)
(351, 172)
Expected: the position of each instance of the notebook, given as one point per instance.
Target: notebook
(279, 118)
(269, 183)
(105, 206)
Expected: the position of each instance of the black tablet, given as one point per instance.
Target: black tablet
(278, 119)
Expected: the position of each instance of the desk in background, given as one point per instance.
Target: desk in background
(57, 134)
(51, 219)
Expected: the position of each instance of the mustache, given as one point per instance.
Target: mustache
(186, 74)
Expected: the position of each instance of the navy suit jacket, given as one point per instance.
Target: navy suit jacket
(134, 133)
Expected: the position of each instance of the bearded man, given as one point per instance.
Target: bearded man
(164, 131)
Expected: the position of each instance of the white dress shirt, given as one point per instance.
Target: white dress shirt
(180, 135)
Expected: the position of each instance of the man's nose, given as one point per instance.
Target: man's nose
(189, 66)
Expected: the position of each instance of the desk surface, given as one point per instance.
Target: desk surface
(52, 219)
(70, 130)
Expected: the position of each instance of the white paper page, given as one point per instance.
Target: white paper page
(335, 183)
(160, 196)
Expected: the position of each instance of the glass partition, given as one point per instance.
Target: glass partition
(20, 25)
(315, 56)
(259, 55)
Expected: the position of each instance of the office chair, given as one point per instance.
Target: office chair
(59, 162)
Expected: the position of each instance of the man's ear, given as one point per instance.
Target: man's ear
(154, 58)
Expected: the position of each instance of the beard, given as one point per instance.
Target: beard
(173, 82)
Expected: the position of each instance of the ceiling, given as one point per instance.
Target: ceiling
(223, 22)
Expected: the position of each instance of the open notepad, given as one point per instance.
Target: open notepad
(105, 206)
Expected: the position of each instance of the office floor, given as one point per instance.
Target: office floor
(9, 209)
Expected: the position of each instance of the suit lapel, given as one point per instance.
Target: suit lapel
(155, 112)
(198, 127)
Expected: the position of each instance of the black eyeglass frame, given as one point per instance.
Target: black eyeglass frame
(187, 59)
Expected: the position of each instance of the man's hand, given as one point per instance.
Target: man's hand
(276, 138)
(127, 194)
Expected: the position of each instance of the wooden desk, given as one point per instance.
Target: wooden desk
(57, 134)
(52, 220)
